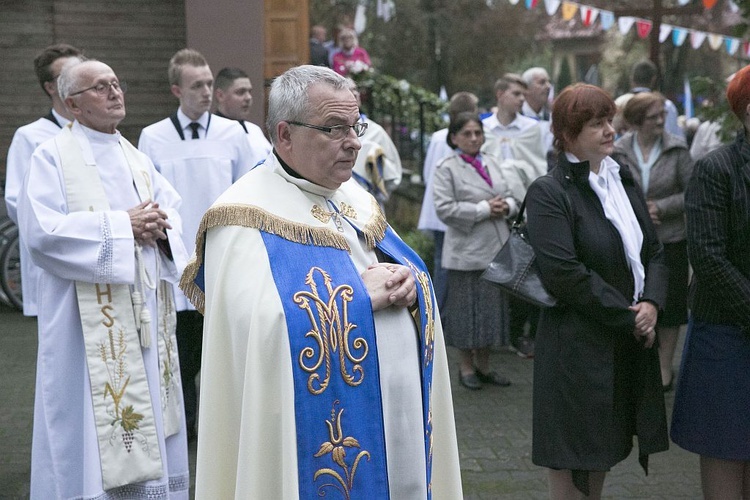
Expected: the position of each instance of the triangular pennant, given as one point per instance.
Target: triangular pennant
(696, 39)
(714, 41)
(530, 4)
(709, 3)
(682, 2)
(678, 36)
(513, 2)
(664, 32)
(552, 6)
(606, 19)
(625, 23)
(643, 27)
(732, 44)
(746, 48)
(588, 15)
(569, 10)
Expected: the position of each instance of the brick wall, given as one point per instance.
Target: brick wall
(135, 37)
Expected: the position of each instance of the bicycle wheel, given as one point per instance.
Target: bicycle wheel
(10, 269)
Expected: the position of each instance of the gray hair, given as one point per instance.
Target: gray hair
(69, 79)
(288, 99)
(529, 74)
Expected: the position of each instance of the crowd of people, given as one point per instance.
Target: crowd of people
(319, 335)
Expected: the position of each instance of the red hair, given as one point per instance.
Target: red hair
(574, 107)
(738, 93)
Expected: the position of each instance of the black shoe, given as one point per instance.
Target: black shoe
(492, 378)
(469, 381)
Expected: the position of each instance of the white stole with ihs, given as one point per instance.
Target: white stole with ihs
(111, 317)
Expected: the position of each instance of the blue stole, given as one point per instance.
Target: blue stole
(340, 430)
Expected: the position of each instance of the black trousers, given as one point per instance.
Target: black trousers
(520, 313)
(189, 347)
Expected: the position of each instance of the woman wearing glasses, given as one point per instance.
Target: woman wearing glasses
(474, 195)
(662, 166)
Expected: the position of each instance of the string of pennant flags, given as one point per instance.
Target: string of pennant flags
(607, 19)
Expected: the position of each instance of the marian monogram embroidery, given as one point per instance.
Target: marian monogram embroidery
(330, 329)
(336, 446)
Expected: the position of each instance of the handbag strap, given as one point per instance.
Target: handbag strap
(518, 220)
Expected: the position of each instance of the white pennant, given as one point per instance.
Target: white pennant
(513, 2)
(664, 32)
(551, 6)
(714, 41)
(697, 38)
(625, 23)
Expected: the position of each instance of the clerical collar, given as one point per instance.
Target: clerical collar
(289, 170)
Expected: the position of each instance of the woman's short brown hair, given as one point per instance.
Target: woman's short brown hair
(576, 105)
(636, 109)
(459, 122)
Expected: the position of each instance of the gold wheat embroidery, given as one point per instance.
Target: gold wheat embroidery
(112, 353)
(330, 329)
(336, 447)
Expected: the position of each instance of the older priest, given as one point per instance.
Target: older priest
(324, 369)
(93, 210)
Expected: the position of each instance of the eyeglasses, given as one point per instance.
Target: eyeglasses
(104, 88)
(337, 132)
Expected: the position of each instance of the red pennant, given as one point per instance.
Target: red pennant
(746, 48)
(643, 27)
(709, 3)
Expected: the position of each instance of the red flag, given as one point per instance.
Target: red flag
(709, 3)
(643, 27)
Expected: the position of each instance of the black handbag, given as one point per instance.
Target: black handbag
(514, 267)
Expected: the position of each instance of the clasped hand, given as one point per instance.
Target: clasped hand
(149, 223)
(645, 323)
(498, 207)
(389, 284)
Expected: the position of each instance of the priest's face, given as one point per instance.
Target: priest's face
(320, 157)
(96, 100)
(194, 90)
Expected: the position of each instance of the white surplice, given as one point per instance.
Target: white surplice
(201, 169)
(96, 247)
(247, 437)
(25, 141)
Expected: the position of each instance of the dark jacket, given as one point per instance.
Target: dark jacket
(667, 181)
(717, 204)
(595, 386)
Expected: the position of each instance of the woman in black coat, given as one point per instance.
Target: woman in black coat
(596, 370)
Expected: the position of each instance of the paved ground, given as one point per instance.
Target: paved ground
(494, 432)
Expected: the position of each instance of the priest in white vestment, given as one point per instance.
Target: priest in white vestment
(48, 65)
(324, 369)
(103, 226)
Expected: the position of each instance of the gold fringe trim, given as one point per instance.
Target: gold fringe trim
(256, 218)
(374, 230)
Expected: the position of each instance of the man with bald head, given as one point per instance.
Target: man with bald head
(103, 226)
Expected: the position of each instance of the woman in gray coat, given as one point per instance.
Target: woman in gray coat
(474, 195)
(596, 372)
(662, 166)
